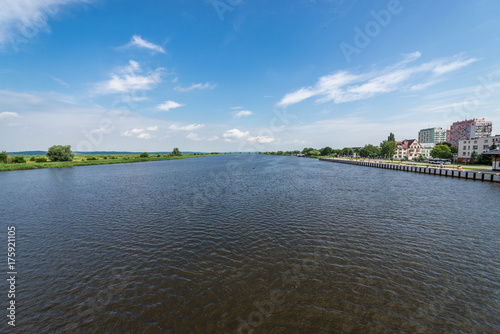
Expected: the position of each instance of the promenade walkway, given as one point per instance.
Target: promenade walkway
(488, 176)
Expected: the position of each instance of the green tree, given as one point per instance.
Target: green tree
(3, 157)
(421, 158)
(60, 153)
(493, 147)
(18, 160)
(453, 149)
(347, 151)
(326, 151)
(307, 150)
(441, 151)
(369, 151)
(176, 152)
(391, 137)
(144, 155)
(388, 149)
(337, 152)
(473, 157)
(484, 159)
(314, 153)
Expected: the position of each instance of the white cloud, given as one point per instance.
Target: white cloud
(236, 108)
(129, 79)
(452, 66)
(152, 128)
(128, 98)
(21, 20)
(8, 115)
(206, 85)
(167, 105)
(59, 81)
(243, 113)
(235, 134)
(139, 133)
(343, 86)
(448, 107)
(189, 127)
(262, 139)
(194, 136)
(213, 138)
(137, 41)
(144, 135)
(104, 130)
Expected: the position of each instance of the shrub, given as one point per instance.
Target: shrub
(144, 155)
(92, 158)
(32, 159)
(18, 160)
(3, 156)
(60, 153)
(41, 159)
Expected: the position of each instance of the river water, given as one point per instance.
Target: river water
(250, 243)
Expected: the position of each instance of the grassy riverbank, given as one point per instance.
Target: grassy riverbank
(100, 160)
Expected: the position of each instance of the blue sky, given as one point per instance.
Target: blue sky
(231, 75)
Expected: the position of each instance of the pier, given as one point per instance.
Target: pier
(435, 170)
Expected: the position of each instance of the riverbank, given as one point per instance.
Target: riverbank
(85, 162)
(490, 176)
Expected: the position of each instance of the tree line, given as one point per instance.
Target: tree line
(62, 153)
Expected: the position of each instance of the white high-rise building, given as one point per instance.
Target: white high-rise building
(432, 135)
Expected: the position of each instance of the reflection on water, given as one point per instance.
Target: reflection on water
(235, 244)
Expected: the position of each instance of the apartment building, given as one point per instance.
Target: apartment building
(432, 135)
(478, 145)
(468, 129)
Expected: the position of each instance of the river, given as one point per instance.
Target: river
(251, 243)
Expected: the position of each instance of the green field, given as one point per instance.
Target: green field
(82, 160)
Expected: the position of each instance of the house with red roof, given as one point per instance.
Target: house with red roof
(409, 148)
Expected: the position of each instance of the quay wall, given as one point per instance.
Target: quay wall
(446, 172)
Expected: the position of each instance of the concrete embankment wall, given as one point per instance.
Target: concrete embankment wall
(453, 173)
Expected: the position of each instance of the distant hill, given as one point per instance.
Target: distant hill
(111, 152)
(28, 153)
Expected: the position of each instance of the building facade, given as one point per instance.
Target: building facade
(468, 129)
(432, 135)
(408, 148)
(426, 149)
(478, 145)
